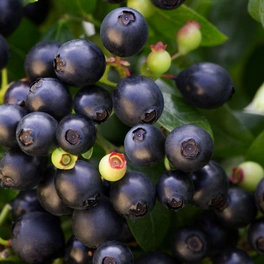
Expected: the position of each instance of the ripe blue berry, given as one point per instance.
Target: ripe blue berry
(167, 4)
(124, 32)
(189, 147)
(138, 99)
(79, 62)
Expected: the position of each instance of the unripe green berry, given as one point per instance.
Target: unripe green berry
(247, 175)
(158, 60)
(145, 7)
(189, 37)
(62, 159)
(112, 167)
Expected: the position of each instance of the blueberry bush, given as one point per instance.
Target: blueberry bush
(131, 131)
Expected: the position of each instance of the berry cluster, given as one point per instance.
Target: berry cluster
(50, 128)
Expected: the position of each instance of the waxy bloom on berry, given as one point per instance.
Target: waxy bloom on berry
(113, 166)
(189, 37)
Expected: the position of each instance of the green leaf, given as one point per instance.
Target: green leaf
(256, 151)
(177, 112)
(167, 23)
(150, 230)
(25, 2)
(231, 136)
(256, 10)
(7, 195)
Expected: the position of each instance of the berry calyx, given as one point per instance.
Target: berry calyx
(63, 160)
(189, 37)
(112, 167)
(158, 60)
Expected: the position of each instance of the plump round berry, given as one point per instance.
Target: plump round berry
(79, 62)
(259, 194)
(138, 99)
(77, 253)
(38, 11)
(94, 102)
(10, 116)
(16, 93)
(256, 235)
(205, 85)
(144, 145)
(247, 175)
(113, 252)
(26, 201)
(156, 257)
(210, 186)
(167, 4)
(37, 237)
(188, 37)
(189, 244)
(144, 7)
(174, 189)
(36, 134)
(232, 256)
(4, 52)
(189, 147)
(20, 171)
(76, 134)
(46, 189)
(11, 13)
(133, 196)
(39, 60)
(158, 60)
(97, 224)
(124, 32)
(219, 236)
(63, 160)
(79, 187)
(240, 209)
(51, 96)
(113, 166)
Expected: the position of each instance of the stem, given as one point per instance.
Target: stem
(5, 243)
(4, 85)
(175, 56)
(4, 213)
(106, 145)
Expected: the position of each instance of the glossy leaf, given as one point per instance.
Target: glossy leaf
(256, 10)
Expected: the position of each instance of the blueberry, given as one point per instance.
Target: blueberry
(189, 244)
(51, 96)
(133, 196)
(256, 235)
(240, 209)
(205, 85)
(94, 102)
(76, 134)
(189, 147)
(37, 237)
(26, 201)
(113, 252)
(174, 189)
(11, 13)
(167, 4)
(233, 256)
(97, 224)
(46, 189)
(4, 52)
(137, 99)
(16, 93)
(210, 186)
(20, 171)
(77, 253)
(36, 134)
(259, 194)
(124, 32)
(80, 187)
(79, 62)
(39, 60)
(10, 116)
(144, 145)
